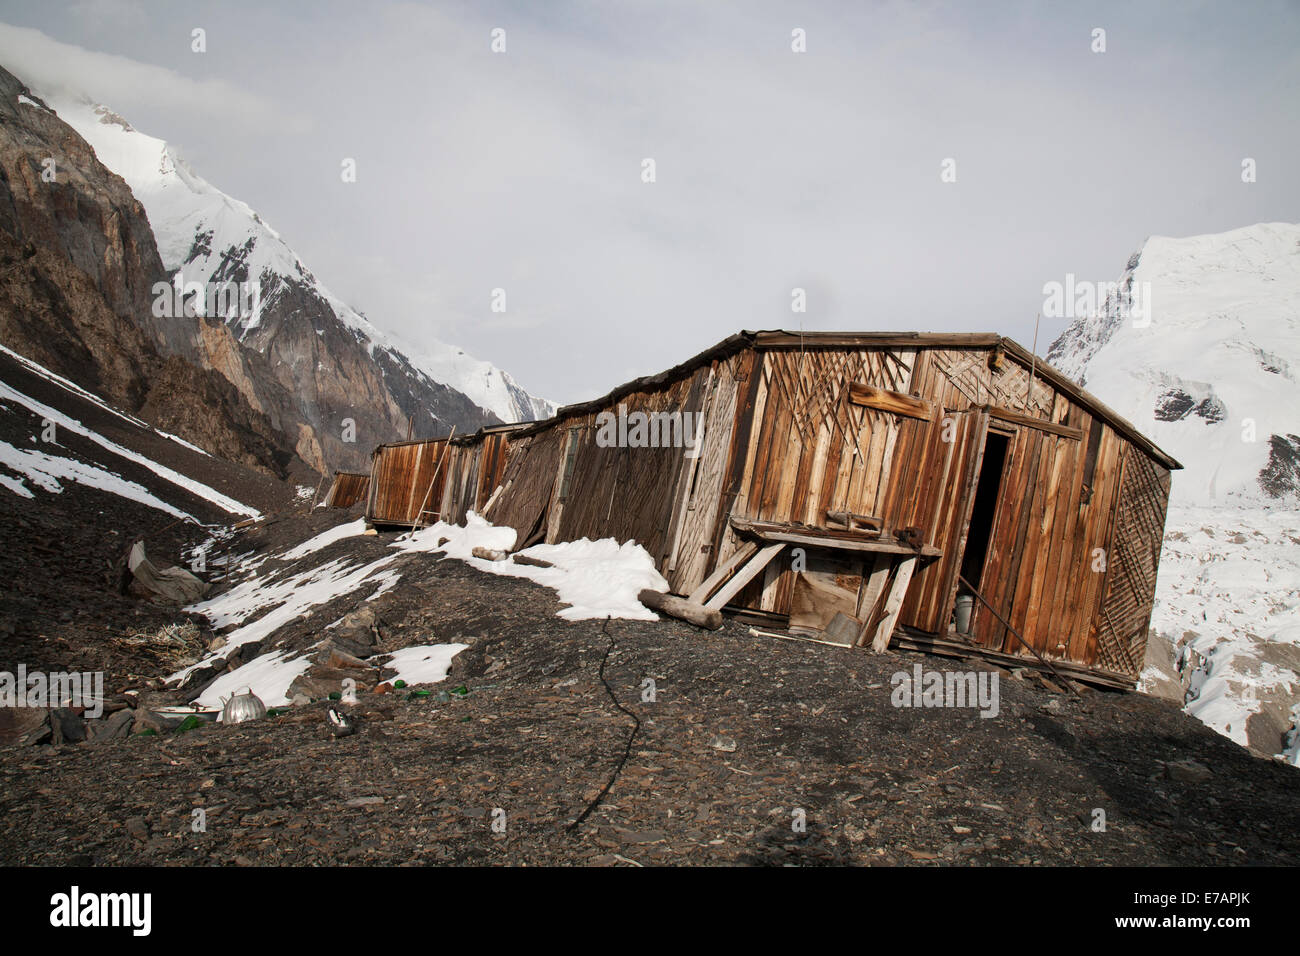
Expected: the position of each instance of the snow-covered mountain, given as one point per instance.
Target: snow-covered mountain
(1208, 369)
(328, 359)
(1212, 373)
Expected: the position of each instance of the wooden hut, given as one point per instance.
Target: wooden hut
(415, 483)
(883, 483)
(348, 488)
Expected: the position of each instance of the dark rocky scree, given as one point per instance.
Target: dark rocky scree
(743, 731)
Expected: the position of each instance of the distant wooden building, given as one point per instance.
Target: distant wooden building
(414, 483)
(885, 477)
(348, 488)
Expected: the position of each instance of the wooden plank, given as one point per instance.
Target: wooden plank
(724, 570)
(742, 577)
(893, 604)
(885, 400)
(871, 593)
(952, 645)
(1015, 418)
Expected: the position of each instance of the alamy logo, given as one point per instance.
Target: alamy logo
(225, 300)
(924, 688)
(1082, 299)
(58, 689)
(651, 430)
(75, 908)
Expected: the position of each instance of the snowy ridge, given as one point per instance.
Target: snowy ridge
(43, 469)
(212, 237)
(1214, 377)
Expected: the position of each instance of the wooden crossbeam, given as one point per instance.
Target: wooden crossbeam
(1015, 418)
(722, 572)
(887, 401)
(746, 574)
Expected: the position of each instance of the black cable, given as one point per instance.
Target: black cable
(627, 751)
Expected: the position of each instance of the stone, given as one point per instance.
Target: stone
(1188, 771)
(350, 645)
(67, 726)
(137, 828)
(113, 727)
(319, 682)
(342, 660)
(20, 726)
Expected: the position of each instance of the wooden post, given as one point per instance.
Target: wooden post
(434, 480)
(746, 574)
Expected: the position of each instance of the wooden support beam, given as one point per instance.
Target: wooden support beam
(893, 605)
(816, 538)
(1015, 418)
(956, 645)
(742, 577)
(722, 572)
(884, 400)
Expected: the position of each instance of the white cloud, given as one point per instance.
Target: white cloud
(50, 66)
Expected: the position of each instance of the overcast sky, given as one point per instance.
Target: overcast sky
(775, 169)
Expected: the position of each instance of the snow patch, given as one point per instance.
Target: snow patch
(423, 664)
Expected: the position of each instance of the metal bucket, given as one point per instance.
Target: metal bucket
(962, 612)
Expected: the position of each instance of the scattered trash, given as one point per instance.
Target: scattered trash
(341, 725)
(192, 722)
(242, 707)
(172, 585)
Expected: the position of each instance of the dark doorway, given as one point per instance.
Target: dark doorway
(983, 510)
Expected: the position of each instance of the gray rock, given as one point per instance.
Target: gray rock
(1188, 771)
(67, 726)
(21, 726)
(113, 727)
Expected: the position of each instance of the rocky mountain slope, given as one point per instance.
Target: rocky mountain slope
(80, 480)
(291, 347)
(77, 265)
(1210, 372)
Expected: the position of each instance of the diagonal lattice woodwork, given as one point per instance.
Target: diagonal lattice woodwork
(1134, 559)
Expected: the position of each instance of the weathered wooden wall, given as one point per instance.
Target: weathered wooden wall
(893, 428)
(348, 488)
(404, 477)
(813, 451)
(528, 482)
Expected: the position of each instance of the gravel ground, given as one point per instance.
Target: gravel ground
(752, 751)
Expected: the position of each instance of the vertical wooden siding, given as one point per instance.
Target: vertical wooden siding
(400, 479)
(348, 489)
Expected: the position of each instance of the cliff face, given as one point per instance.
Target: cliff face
(78, 265)
(317, 367)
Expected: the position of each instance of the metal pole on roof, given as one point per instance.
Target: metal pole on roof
(1033, 362)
